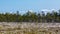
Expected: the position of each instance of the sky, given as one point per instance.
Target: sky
(24, 5)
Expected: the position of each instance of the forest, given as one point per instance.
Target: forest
(54, 16)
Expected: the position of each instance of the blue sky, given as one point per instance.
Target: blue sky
(25, 5)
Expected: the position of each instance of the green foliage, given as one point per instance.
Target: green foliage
(30, 17)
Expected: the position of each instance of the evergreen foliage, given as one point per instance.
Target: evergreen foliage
(30, 17)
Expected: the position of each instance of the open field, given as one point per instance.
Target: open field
(29, 28)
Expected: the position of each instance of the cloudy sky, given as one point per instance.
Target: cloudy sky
(25, 5)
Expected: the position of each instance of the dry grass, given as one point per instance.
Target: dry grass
(11, 28)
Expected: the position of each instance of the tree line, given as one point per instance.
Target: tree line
(31, 17)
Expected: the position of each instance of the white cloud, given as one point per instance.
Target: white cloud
(46, 10)
(31, 11)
